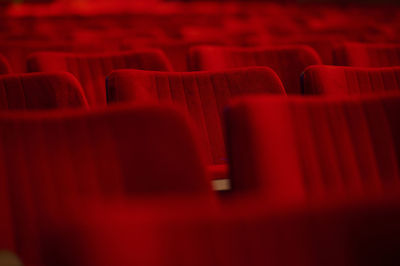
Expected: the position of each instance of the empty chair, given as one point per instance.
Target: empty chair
(91, 69)
(324, 48)
(367, 55)
(18, 51)
(51, 161)
(4, 65)
(332, 80)
(293, 148)
(203, 94)
(287, 61)
(175, 50)
(34, 91)
(337, 234)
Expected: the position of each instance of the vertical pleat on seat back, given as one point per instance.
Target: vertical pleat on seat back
(4, 65)
(336, 80)
(91, 69)
(203, 94)
(367, 55)
(292, 148)
(51, 161)
(37, 91)
(287, 61)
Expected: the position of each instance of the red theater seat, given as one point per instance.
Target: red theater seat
(53, 90)
(51, 161)
(175, 50)
(18, 51)
(361, 233)
(325, 49)
(287, 61)
(288, 149)
(203, 94)
(91, 69)
(350, 80)
(4, 65)
(367, 55)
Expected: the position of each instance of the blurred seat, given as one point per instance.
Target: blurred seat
(295, 148)
(35, 91)
(327, 234)
(4, 65)
(18, 51)
(336, 80)
(367, 55)
(176, 50)
(203, 95)
(325, 49)
(50, 162)
(287, 61)
(91, 69)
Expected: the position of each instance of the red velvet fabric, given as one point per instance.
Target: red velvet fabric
(53, 90)
(203, 95)
(18, 51)
(290, 151)
(91, 69)
(51, 161)
(325, 48)
(176, 50)
(336, 80)
(293, 148)
(359, 233)
(367, 55)
(4, 65)
(287, 61)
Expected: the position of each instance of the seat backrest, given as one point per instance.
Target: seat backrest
(4, 65)
(341, 234)
(287, 61)
(299, 148)
(91, 69)
(34, 91)
(203, 94)
(324, 48)
(367, 55)
(50, 161)
(338, 80)
(18, 51)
